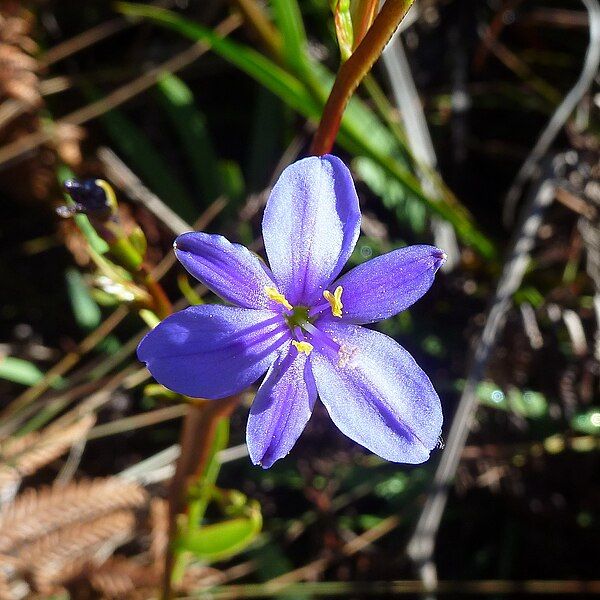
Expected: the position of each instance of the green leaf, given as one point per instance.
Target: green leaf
(148, 163)
(528, 403)
(308, 98)
(265, 71)
(266, 137)
(149, 317)
(190, 126)
(221, 540)
(393, 194)
(87, 313)
(233, 179)
(344, 29)
(489, 394)
(288, 19)
(22, 371)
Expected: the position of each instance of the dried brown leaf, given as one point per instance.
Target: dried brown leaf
(38, 513)
(24, 457)
(63, 554)
(120, 577)
(159, 519)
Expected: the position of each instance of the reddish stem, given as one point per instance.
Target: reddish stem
(353, 71)
(197, 435)
(366, 14)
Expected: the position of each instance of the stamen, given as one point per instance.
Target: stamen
(305, 347)
(277, 296)
(335, 300)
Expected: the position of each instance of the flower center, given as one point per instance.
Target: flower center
(298, 317)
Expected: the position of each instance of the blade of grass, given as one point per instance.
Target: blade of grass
(288, 19)
(273, 77)
(21, 371)
(190, 127)
(268, 121)
(87, 313)
(296, 94)
(136, 147)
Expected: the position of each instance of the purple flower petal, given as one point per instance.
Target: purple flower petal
(281, 409)
(310, 226)
(213, 351)
(377, 395)
(386, 285)
(229, 270)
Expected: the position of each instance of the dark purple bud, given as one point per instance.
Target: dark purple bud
(89, 197)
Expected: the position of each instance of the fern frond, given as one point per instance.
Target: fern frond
(39, 512)
(26, 455)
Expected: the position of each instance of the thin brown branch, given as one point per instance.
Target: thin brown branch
(259, 22)
(26, 144)
(66, 363)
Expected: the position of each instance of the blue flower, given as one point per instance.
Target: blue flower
(302, 325)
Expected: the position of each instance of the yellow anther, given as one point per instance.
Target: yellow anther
(335, 300)
(303, 347)
(111, 198)
(278, 297)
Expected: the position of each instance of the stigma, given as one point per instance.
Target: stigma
(305, 347)
(335, 300)
(277, 296)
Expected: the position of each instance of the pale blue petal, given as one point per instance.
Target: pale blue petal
(213, 351)
(310, 226)
(386, 285)
(377, 395)
(281, 409)
(229, 270)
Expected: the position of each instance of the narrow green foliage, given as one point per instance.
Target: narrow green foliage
(266, 137)
(87, 313)
(190, 127)
(344, 29)
(148, 163)
(288, 19)
(232, 179)
(21, 371)
(308, 99)
(526, 403)
(265, 71)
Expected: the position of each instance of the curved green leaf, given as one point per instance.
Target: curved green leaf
(221, 540)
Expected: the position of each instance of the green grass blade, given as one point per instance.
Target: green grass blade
(296, 94)
(146, 160)
(288, 19)
(266, 137)
(22, 371)
(286, 86)
(87, 313)
(190, 126)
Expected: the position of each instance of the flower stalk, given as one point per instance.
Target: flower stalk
(353, 71)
